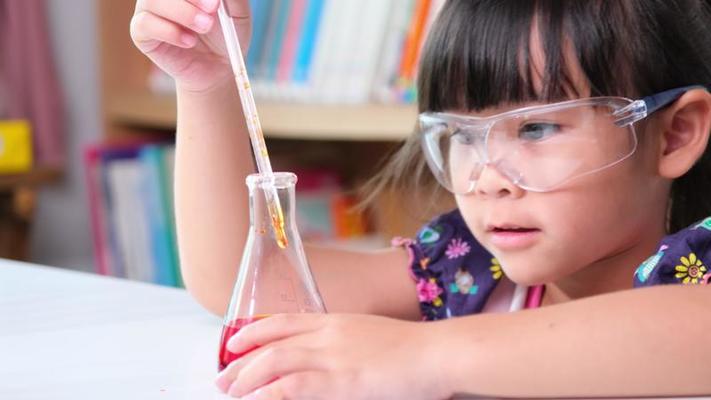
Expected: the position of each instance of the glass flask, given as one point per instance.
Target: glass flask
(273, 277)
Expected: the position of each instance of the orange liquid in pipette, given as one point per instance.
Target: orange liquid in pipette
(278, 225)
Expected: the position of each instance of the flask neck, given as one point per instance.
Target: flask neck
(279, 190)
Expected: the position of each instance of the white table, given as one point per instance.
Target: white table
(73, 335)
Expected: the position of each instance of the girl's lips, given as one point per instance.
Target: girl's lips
(513, 238)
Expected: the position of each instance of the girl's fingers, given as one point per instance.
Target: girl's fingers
(301, 385)
(149, 30)
(231, 371)
(275, 327)
(180, 12)
(270, 365)
(209, 6)
(238, 9)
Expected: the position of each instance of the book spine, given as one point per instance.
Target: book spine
(97, 212)
(261, 11)
(412, 46)
(156, 215)
(292, 37)
(304, 56)
(386, 77)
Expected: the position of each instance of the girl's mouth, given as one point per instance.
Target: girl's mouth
(512, 237)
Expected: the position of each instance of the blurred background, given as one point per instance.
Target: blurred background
(87, 126)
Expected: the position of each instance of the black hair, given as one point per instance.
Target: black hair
(477, 55)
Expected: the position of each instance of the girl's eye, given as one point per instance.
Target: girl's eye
(463, 137)
(538, 130)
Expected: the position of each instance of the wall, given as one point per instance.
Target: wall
(62, 235)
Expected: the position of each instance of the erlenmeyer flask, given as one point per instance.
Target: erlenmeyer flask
(272, 279)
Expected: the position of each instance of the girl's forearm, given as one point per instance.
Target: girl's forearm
(213, 158)
(639, 342)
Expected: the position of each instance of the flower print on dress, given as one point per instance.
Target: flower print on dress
(428, 291)
(463, 283)
(424, 262)
(691, 269)
(646, 268)
(429, 235)
(496, 271)
(706, 224)
(457, 248)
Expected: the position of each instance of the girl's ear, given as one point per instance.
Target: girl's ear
(686, 125)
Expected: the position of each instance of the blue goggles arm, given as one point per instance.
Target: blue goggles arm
(660, 100)
(640, 109)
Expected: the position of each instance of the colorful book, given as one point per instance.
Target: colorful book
(124, 178)
(157, 214)
(304, 54)
(103, 257)
(414, 36)
(275, 50)
(363, 59)
(168, 190)
(107, 155)
(394, 43)
(348, 21)
(292, 38)
(323, 51)
(261, 13)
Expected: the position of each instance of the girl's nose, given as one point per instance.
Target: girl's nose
(492, 183)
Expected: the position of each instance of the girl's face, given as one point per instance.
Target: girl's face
(613, 217)
(609, 216)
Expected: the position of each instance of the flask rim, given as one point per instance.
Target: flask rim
(280, 180)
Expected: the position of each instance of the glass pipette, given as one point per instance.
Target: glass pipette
(249, 108)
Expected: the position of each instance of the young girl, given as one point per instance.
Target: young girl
(573, 135)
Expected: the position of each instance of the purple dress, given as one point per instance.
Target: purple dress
(455, 275)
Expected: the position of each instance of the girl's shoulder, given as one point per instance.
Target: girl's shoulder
(455, 275)
(684, 257)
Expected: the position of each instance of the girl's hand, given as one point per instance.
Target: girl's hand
(335, 356)
(183, 38)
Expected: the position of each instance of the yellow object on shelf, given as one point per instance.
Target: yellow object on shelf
(15, 146)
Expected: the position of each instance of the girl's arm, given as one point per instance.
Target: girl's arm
(641, 342)
(213, 158)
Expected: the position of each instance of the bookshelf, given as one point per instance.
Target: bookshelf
(36, 177)
(368, 122)
(18, 194)
(130, 108)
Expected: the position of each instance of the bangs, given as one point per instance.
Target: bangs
(478, 54)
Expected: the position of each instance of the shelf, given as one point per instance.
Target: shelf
(371, 122)
(36, 177)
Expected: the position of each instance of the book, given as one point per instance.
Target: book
(362, 61)
(304, 54)
(108, 154)
(343, 52)
(130, 226)
(394, 43)
(156, 213)
(410, 55)
(294, 28)
(261, 12)
(168, 179)
(129, 186)
(103, 258)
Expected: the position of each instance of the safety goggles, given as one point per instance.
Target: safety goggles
(537, 148)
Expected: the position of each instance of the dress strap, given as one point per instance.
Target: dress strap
(534, 297)
(527, 297)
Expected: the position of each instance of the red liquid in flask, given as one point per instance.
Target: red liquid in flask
(229, 330)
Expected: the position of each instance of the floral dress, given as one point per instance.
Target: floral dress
(455, 275)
